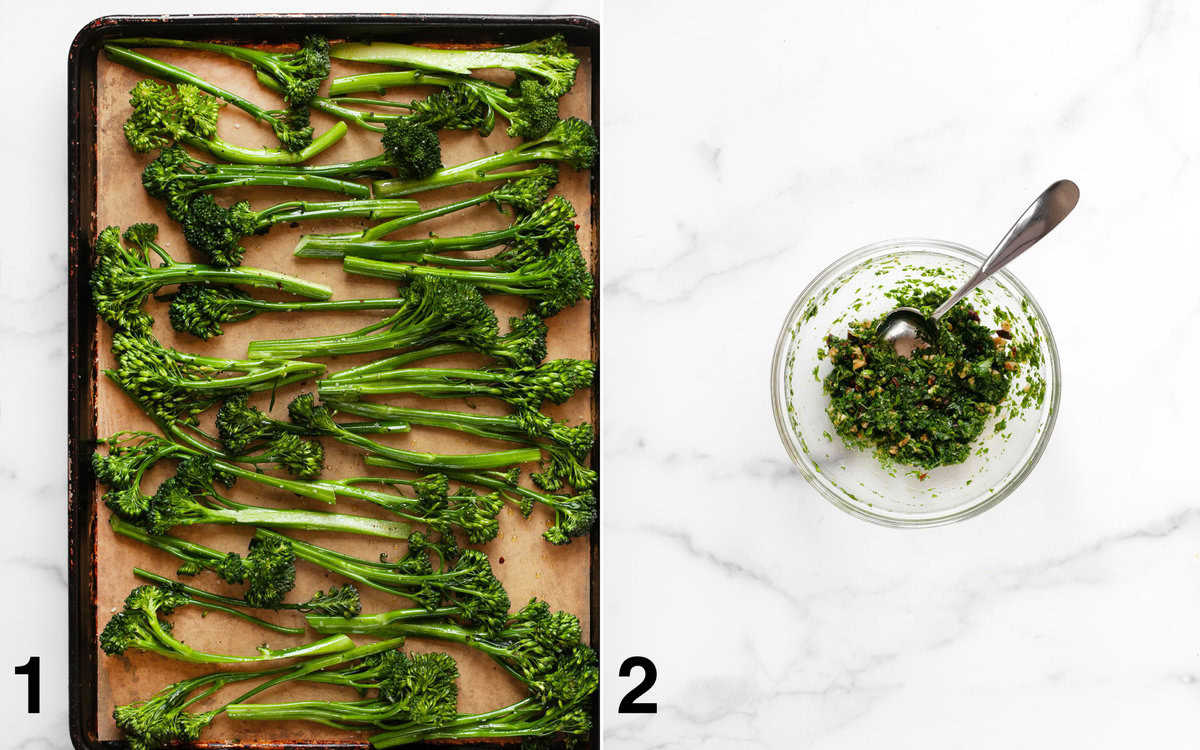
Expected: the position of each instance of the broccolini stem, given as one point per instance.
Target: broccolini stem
(381, 82)
(279, 374)
(306, 520)
(378, 303)
(378, 624)
(424, 249)
(271, 156)
(489, 480)
(480, 170)
(174, 74)
(436, 376)
(505, 282)
(180, 273)
(485, 725)
(180, 548)
(387, 227)
(399, 622)
(316, 665)
(217, 602)
(336, 390)
(398, 360)
(480, 425)
(460, 61)
(308, 210)
(439, 462)
(376, 103)
(316, 712)
(275, 179)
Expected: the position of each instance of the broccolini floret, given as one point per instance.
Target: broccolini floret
(138, 626)
(189, 115)
(433, 311)
(171, 385)
(123, 277)
(217, 231)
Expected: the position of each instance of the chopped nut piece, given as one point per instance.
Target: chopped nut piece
(858, 364)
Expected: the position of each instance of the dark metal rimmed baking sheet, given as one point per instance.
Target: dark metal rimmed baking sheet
(82, 200)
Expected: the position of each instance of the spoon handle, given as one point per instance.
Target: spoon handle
(1051, 207)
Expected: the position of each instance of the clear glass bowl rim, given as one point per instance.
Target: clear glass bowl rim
(779, 396)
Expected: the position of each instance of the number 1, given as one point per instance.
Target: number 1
(33, 670)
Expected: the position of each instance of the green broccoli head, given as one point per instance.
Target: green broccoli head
(161, 177)
(142, 235)
(162, 115)
(555, 381)
(198, 474)
(305, 412)
(296, 455)
(555, 45)
(293, 127)
(306, 68)
(534, 109)
(161, 721)
(562, 466)
(123, 632)
(270, 571)
(573, 517)
(424, 685)
(340, 601)
(548, 229)
(128, 503)
(151, 375)
(477, 592)
(454, 107)
(231, 568)
(476, 514)
(153, 599)
(574, 141)
(217, 231)
(200, 309)
(451, 310)
(132, 626)
(568, 276)
(525, 343)
(412, 147)
(120, 283)
(527, 194)
(171, 505)
(240, 426)
(129, 456)
(578, 439)
(432, 491)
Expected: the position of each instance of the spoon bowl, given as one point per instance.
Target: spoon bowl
(907, 329)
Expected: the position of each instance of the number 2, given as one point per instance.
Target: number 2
(629, 704)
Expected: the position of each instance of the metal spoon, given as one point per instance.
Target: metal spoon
(907, 329)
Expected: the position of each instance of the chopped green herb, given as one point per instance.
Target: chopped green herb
(924, 411)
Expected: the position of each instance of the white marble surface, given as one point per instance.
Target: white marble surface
(752, 146)
(745, 147)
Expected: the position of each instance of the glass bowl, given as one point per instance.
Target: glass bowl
(853, 479)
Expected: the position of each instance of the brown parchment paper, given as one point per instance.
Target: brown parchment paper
(527, 565)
